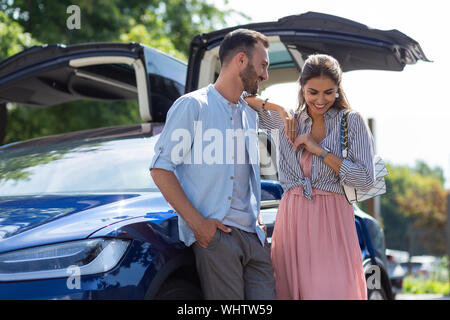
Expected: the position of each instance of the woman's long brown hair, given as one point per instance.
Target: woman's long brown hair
(318, 65)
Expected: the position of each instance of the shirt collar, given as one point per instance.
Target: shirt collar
(330, 114)
(222, 99)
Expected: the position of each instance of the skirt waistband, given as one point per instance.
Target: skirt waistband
(315, 192)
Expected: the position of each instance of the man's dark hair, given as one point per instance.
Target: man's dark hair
(240, 40)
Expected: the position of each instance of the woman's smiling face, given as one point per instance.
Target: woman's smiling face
(320, 94)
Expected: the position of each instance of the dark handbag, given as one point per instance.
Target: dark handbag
(353, 194)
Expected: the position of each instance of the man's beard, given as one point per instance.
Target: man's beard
(249, 79)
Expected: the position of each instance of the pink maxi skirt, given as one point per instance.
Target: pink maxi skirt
(315, 250)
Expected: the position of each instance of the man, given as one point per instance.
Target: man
(217, 199)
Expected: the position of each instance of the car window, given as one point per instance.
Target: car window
(78, 167)
(163, 94)
(280, 57)
(165, 65)
(167, 77)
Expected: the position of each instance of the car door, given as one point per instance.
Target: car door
(48, 75)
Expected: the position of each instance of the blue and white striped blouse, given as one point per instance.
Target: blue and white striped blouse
(357, 169)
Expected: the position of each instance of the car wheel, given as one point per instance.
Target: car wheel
(376, 294)
(179, 289)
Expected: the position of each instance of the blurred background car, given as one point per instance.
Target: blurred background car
(395, 270)
(421, 265)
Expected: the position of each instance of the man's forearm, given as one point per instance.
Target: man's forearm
(172, 191)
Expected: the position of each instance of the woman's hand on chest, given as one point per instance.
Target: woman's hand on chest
(308, 142)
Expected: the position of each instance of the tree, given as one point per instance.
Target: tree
(12, 40)
(106, 20)
(414, 205)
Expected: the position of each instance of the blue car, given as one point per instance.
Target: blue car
(80, 217)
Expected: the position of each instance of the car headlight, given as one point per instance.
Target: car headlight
(53, 261)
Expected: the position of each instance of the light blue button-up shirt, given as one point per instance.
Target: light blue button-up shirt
(197, 145)
(239, 216)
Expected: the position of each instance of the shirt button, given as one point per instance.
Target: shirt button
(160, 148)
(229, 198)
(231, 177)
(231, 118)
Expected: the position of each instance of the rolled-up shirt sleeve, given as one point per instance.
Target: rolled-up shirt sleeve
(176, 139)
(358, 169)
(268, 119)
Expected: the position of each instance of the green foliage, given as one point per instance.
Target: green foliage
(154, 36)
(437, 282)
(416, 285)
(413, 209)
(106, 20)
(26, 123)
(12, 37)
(423, 169)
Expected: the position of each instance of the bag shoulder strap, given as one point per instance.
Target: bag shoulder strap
(344, 134)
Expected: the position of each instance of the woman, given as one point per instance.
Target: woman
(315, 250)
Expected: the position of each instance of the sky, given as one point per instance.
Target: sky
(411, 108)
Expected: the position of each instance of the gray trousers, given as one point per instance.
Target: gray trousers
(235, 266)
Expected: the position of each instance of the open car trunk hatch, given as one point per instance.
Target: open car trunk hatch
(354, 45)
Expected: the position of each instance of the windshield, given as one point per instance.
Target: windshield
(78, 167)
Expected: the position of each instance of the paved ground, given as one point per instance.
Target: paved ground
(404, 296)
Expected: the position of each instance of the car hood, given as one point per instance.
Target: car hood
(27, 221)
